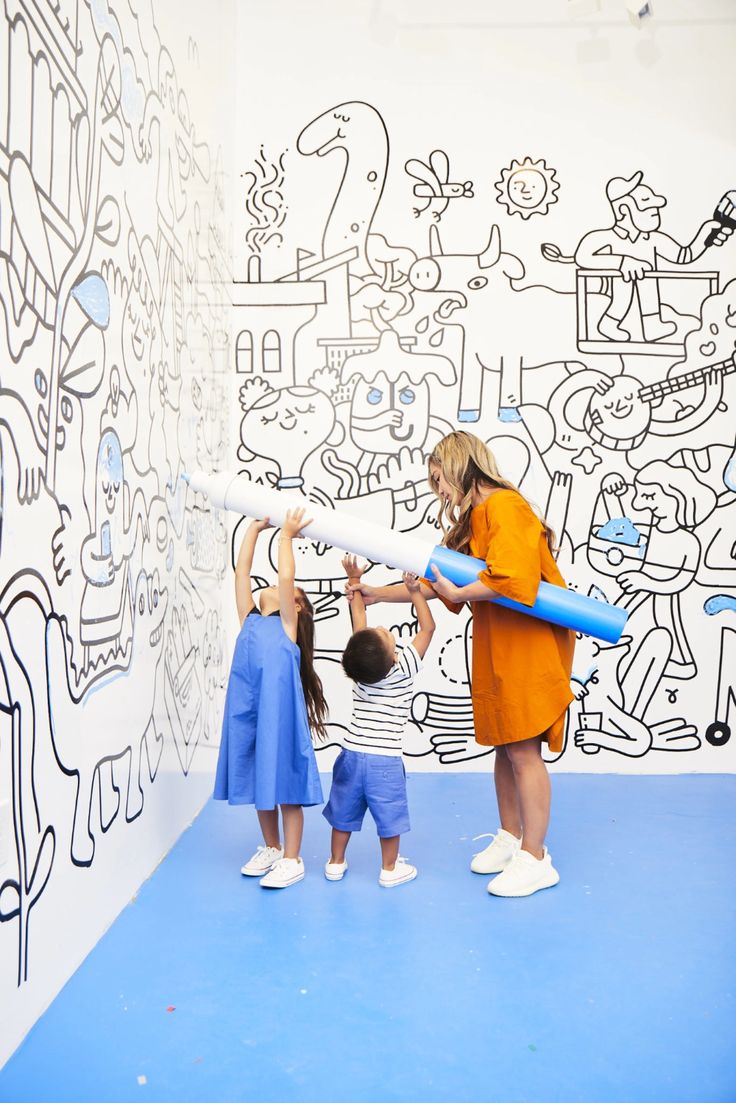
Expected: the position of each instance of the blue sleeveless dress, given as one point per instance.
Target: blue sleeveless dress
(266, 754)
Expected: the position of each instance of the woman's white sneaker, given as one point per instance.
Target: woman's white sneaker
(399, 875)
(285, 872)
(497, 854)
(524, 875)
(261, 861)
(335, 871)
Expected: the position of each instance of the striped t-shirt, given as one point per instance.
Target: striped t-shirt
(381, 710)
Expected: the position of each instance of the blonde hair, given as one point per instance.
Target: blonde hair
(466, 463)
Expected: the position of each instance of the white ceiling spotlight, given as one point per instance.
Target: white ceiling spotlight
(639, 11)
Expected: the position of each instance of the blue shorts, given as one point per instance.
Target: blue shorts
(376, 782)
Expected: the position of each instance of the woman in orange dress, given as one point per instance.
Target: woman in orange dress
(521, 665)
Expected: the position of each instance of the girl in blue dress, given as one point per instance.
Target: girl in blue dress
(274, 697)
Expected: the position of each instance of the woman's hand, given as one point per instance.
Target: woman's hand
(351, 568)
(444, 587)
(294, 522)
(368, 593)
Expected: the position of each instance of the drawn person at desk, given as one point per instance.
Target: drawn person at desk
(106, 621)
(633, 245)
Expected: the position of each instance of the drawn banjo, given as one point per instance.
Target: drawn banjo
(620, 418)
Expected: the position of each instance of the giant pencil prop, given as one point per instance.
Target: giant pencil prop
(408, 553)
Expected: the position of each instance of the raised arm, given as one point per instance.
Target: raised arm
(243, 593)
(425, 619)
(353, 587)
(294, 522)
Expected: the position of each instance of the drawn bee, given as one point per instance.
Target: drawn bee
(433, 184)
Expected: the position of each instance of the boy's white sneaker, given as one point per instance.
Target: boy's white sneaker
(399, 875)
(261, 861)
(497, 854)
(335, 871)
(285, 872)
(524, 875)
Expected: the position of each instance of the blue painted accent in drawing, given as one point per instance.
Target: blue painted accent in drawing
(719, 603)
(93, 297)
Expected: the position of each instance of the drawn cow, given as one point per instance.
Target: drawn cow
(505, 327)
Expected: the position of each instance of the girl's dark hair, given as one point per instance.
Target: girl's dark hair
(365, 658)
(311, 683)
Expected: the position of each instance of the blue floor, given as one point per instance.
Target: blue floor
(617, 985)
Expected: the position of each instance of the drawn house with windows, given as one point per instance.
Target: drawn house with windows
(266, 317)
(278, 324)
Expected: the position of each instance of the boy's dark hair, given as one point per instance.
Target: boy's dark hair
(366, 658)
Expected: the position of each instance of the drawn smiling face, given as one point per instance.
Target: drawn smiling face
(620, 413)
(653, 497)
(288, 425)
(527, 188)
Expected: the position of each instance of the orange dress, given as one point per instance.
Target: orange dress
(521, 665)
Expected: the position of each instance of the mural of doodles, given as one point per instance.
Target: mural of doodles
(608, 399)
(114, 346)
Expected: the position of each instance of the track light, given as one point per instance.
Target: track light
(639, 11)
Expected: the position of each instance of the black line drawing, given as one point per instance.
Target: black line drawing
(527, 187)
(496, 316)
(406, 345)
(35, 844)
(719, 731)
(448, 717)
(627, 257)
(651, 548)
(82, 733)
(182, 687)
(617, 695)
(106, 611)
(284, 427)
(358, 131)
(434, 184)
(618, 413)
(264, 202)
(390, 402)
(114, 333)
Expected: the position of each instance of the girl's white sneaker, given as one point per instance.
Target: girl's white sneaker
(524, 875)
(285, 872)
(261, 861)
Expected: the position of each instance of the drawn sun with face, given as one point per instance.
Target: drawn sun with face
(527, 187)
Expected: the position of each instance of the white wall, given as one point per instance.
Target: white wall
(115, 142)
(587, 100)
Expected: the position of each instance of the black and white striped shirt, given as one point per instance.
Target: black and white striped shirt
(381, 710)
